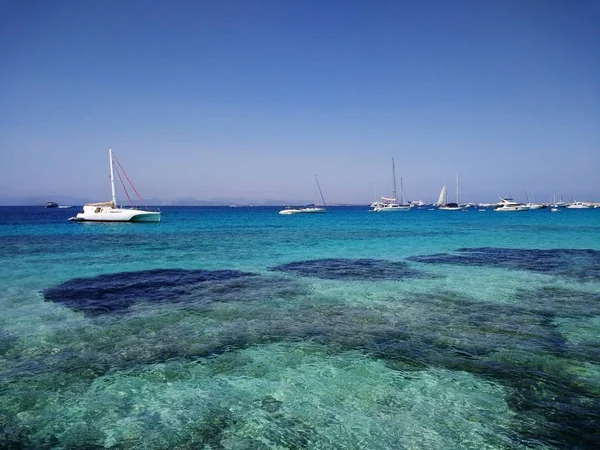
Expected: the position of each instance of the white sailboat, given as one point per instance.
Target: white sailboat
(443, 198)
(533, 205)
(110, 211)
(442, 202)
(391, 204)
(316, 208)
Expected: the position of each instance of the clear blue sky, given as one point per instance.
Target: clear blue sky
(250, 99)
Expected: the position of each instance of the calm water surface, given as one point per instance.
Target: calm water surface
(238, 328)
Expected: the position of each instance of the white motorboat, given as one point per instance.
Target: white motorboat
(579, 205)
(509, 205)
(391, 204)
(110, 211)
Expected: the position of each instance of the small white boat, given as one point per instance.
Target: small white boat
(110, 211)
(391, 207)
(554, 210)
(509, 205)
(391, 204)
(290, 210)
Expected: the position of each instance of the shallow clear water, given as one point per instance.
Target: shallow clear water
(239, 328)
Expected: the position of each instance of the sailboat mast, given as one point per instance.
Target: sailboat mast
(112, 178)
(402, 202)
(319, 187)
(394, 175)
(457, 199)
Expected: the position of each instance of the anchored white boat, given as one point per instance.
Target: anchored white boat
(391, 204)
(579, 205)
(110, 211)
(316, 208)
(443, 204)
(508, 204)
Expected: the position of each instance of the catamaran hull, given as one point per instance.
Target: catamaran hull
(137, 219)
(117, 215)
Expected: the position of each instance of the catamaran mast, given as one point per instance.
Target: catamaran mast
(394, 173)
(112, 178)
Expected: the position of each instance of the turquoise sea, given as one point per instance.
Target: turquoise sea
(238, 328)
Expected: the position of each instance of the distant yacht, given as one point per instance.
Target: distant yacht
(109, 211)
(51, 205)
(508, 204)
(391, 204)
(579, 205)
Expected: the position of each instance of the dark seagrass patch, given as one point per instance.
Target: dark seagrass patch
(351, 269)
(583, 264)
(114, 293)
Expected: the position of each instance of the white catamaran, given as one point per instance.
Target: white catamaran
(110, 211)
(391, 204)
